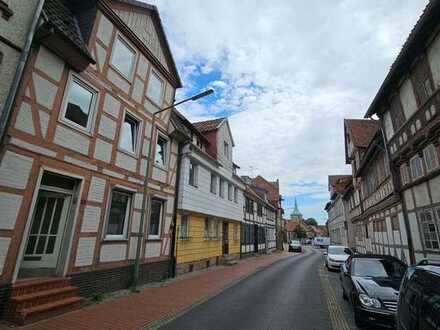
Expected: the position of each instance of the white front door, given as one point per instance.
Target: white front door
(47, 230)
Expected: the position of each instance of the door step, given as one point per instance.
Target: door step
(37, 299)
(228, 260)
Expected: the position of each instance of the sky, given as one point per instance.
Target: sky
(286, 74)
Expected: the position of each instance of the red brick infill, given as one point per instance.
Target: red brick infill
(155, 305)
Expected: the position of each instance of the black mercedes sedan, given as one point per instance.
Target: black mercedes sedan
(371, 284)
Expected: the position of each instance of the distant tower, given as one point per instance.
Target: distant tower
(296, 214)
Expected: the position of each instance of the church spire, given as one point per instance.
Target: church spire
(296, 214)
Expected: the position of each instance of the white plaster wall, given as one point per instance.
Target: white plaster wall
(72, 140)
(4, 247)
(434, 185)
(103, 150)
(96, 190)
(409, 200)
(111, 105)
(126, 162)
(44, 122)
(415, 233)
(9, 207)
(15, 170)
(408, 98)
(224, 136)
(152, 249)
(132, 248)
(201, 200)
(434, 60)
(107, 127)
(113, 252)
(85, 251)
(91, 219)
(24, 120)
(45, 91)
(421, 195)
(117, 80)
(105, 30)
(49, 63)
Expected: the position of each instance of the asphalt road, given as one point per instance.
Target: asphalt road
(294, 293)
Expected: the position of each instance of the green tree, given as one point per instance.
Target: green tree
(311, 222)
(300, 231)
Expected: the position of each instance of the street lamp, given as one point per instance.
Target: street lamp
(147, 173)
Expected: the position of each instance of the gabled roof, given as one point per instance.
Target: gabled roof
(272, 188)
(361, 131)
(413, 46)
(161, 33)
(209, 125)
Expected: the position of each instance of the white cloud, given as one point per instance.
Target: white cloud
(290, 72)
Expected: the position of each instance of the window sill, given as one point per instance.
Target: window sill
(76, 127)
(153, 239)
(114, 239)
(128, 153)
(161, 167)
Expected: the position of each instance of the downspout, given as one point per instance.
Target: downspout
(402, 199)
(7, 109)
(176, 199)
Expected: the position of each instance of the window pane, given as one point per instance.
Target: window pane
(161, 151)
(156, 208)
(122, 58)
(118, 211)
(155, 89)
(79, 103)
(129, 134)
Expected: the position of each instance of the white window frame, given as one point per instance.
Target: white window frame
(413, 176)
(221, 188)
(161, 216)
(405, 176)
(138, 133)
(167, 151)
(195, 168)
(153, 72)
(92, 113)
(230, 191)
(215, 178)
(235, 194)
(434, 154)
(436, 226)
(128, 212)
(133, 63)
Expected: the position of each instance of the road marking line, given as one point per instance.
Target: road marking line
(337, 318)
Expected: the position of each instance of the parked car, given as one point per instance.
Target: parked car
(336, 255)
(322, 242)
(371, 284)
(419, 297)
(295, 246)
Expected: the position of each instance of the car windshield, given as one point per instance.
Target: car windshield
(378, 268)
(295, 242)
(338, 250)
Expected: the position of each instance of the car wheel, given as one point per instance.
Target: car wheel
(359, 321)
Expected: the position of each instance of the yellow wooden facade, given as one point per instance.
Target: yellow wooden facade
(196, 246)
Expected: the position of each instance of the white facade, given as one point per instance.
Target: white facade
(336, 222)
(199, 197)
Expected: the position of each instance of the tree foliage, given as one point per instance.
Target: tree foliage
(311, 222)
(300, 231)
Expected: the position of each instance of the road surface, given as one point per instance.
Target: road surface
(294, 293)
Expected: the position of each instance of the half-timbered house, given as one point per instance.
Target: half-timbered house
(73, 165)
(408, 104)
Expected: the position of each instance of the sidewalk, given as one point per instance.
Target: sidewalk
(137, 310)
